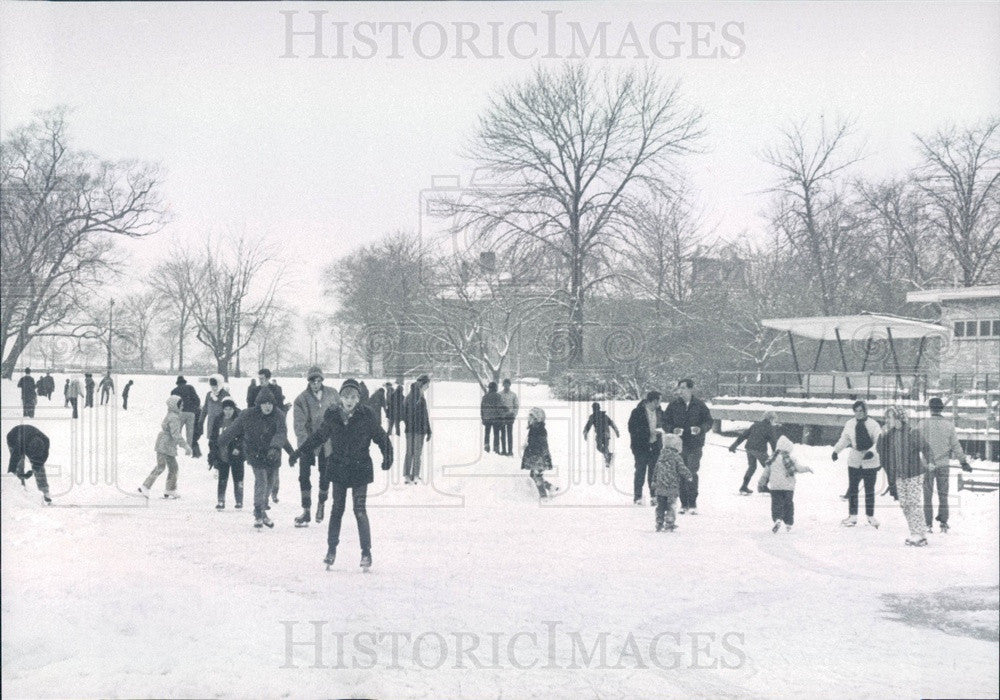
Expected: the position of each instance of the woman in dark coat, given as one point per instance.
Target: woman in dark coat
(229, 461)
(537, 458)
(351, 429)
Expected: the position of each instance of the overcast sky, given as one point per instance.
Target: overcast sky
(321, 154)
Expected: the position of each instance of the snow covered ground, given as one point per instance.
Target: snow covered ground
(104, 595)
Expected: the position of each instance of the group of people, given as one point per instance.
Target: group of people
(498, 410)
(334, 430)
(72, 391)
(915, 455)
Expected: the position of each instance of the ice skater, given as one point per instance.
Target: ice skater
(167, 442)
(668, 472)
(906, 456)
(603, 425)
(351, 428)
(778, 478)
(310, 409)
(758, 437)
(860, 435)
(536, 458)
(228, 462)
(25, 441)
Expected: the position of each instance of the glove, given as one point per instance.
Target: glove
(869, 454)
(732, 448)
(274, 456)
(293, 458)
(695, 430)
(835, 457)
(386, 464)
(966, 467)
(428, 436)
(678, 431)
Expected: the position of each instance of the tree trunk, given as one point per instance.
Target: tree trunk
(9, 362)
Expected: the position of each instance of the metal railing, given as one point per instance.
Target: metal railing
(858, 385)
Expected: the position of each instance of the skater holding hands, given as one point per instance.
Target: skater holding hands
(778, 478)
(669, 470)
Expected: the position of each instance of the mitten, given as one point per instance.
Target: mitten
(869, 454)
(732, 448)
(835, 457)
(966, 467)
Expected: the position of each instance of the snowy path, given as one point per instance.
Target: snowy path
(176, 599)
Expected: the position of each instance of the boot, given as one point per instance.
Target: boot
(303, 520)
(849, 521)
(366, 561)
(320, 507)
(331, 555)
(221, 505)
(239, 494)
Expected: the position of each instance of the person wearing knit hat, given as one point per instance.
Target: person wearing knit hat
(536, 458)
(418, 427)
(669, 471)
(263, 433)
(759, 436)
(309, 409)
(778, 478)
(230, 462)
(351, 429)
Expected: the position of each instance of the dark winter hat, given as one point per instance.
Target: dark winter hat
(423, 379)
(180, 380)
(859, 404)
(314, 372)
(936, 404)
(264, 396)
(27, 370)
(265, 372)
(595, 407)
(350, 384)
(228, 403)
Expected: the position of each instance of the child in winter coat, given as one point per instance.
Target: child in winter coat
(167, 442)
(667, 475)
(779, 479)
(231, 461)
(536, 457)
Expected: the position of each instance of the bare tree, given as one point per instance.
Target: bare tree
(59, 212)
(138, 315)
(572, 152)
(812, 211)
(176, 281)
(960, 177)
(272, 336)
(231, 299)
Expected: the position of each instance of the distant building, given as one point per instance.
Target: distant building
(972, 315)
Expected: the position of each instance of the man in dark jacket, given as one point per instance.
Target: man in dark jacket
(603, 425)
(46, 386)
(757, 437)
(645, 442)
(394, 409)
(376, 402)
(107, 387)
(88, 385)
(363, 391)
(125, 393)
(27, 441)
(263, 431)
(418, 427)
(190, 407)
(351, 428)
(264, 379)
(29, 393)
(492, 412)
(688, 417)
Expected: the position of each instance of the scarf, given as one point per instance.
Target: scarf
(862, 440)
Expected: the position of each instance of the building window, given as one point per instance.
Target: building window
(996, 329)
(977, 329)
(970, 329)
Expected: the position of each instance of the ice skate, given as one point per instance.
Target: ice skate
(916, 541)
(46, 499)
(849, 521)
(788, 528)
(331, 555)
(744, 491)
(777, 526)
(171, 495)
(872, 521)
(267, 521)
(944, 528)
(304, 519)
(258, 522)
(692, 511)
(221, 505)
(366, 561)
(682, 511)
(144, 492)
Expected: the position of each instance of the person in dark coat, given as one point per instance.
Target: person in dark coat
(107, 387)
(264, 379)
(645, 442)
(536, 458)
(688, 417)
(46, 386)
(29, 393)
(125, 391)
(758, 437)
(230, 461)
(25, 441)
(492, 412)
(394, 409)
(512, 406)
(88, 385)
(263, 432)
(603, 425)
(66, 393)
(418, 428)
(376, 402)
(351, 428)
(190, 408)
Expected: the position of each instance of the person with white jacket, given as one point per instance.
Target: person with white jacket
(860, 435)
